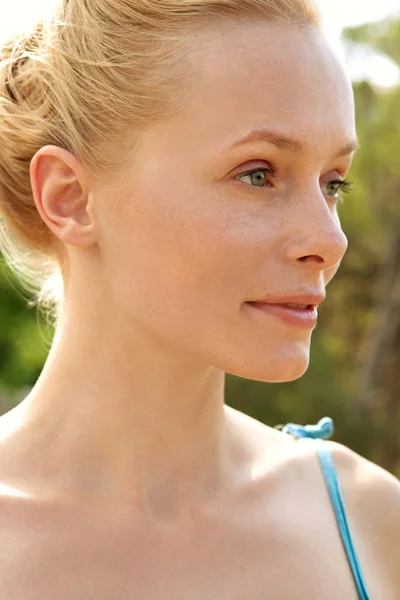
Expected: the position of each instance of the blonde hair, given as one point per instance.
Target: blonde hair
(80, 80)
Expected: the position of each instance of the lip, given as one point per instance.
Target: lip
(313, 299)
(305, 318)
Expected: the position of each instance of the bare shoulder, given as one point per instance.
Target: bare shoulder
(372, 499)
(377, 490)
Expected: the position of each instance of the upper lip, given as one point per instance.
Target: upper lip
(312, 298)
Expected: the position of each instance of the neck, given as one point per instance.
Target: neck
(122, 423)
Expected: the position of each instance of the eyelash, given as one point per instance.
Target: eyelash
(346, 186)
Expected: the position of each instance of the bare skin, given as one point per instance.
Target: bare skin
(124, 474)
(273, 535)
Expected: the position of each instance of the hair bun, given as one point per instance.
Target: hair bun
(15, 55)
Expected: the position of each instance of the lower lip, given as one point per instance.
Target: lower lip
(301, 317)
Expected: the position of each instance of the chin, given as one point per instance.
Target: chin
(276, 370)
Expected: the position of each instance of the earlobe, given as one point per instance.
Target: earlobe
(61, 195)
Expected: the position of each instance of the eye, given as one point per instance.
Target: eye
(344, 186)
(258, 177)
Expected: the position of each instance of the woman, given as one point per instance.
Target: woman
(179, 164)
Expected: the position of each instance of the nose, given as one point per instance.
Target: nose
(317, 236)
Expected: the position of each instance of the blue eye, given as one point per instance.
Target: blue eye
(258, 177)
(345, 186)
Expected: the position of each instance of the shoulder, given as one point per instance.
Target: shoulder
(374, 487)
(372, 498)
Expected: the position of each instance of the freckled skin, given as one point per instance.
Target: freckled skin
(217, 245)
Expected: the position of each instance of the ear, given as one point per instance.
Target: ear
(61, 195)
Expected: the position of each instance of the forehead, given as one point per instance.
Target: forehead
(268, 74)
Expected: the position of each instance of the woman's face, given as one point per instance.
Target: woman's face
(192, 238)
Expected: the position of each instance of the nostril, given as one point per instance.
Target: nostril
(314, 256)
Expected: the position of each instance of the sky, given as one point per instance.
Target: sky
(338, 14)
(17, 14)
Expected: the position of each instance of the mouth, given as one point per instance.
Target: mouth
(299, 315)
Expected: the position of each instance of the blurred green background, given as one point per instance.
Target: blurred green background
(353, 375)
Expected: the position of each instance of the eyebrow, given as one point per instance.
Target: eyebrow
(283, 142)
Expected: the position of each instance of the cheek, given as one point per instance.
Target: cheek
(183, 259)
(181, 270)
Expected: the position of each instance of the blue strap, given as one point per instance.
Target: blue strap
(323, 430)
